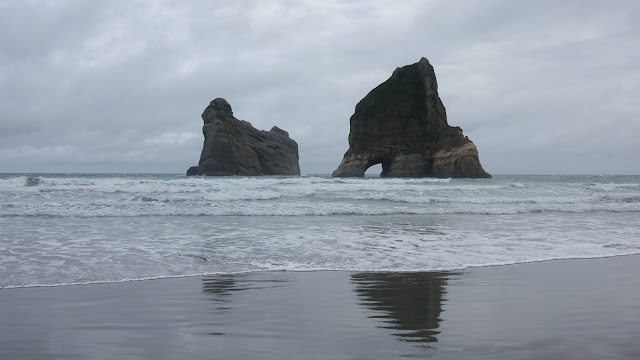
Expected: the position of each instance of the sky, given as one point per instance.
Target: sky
(541, 87)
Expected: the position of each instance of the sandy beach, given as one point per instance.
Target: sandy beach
(566, 309)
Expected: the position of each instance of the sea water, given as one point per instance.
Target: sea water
(58, 229)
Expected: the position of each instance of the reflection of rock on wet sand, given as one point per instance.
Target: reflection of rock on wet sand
(221, 287)
(409, 303)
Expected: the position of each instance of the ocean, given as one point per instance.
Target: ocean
(62, 229)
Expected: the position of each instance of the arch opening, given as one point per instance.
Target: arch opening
(385, 165)
(374, 170)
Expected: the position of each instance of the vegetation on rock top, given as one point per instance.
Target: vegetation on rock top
(403, 86)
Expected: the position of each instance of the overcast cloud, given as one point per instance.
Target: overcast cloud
(119, 86)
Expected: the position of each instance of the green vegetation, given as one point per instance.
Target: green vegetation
(405, 86)
(232, 131)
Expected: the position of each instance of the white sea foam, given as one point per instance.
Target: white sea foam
(131, 196)
(64, 251)
(90, 228)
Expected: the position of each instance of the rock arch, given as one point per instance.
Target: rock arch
(402, 124)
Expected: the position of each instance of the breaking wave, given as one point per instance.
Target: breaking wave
(87, 228)
(170, 195)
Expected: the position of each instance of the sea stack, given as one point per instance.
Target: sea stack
(235, 147)
(402, 124)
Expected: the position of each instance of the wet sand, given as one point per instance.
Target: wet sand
(568, 309)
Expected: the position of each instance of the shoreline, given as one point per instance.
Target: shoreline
(572, 308)
(255, 272)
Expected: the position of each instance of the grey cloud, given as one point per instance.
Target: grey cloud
(540, 87)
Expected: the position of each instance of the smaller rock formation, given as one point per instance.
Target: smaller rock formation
(402, 124)
(235, 147)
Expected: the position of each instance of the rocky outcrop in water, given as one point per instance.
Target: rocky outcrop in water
(235, 147)
(402, 124)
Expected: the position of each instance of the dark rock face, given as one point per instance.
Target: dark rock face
(402, 124)
(235, 147)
